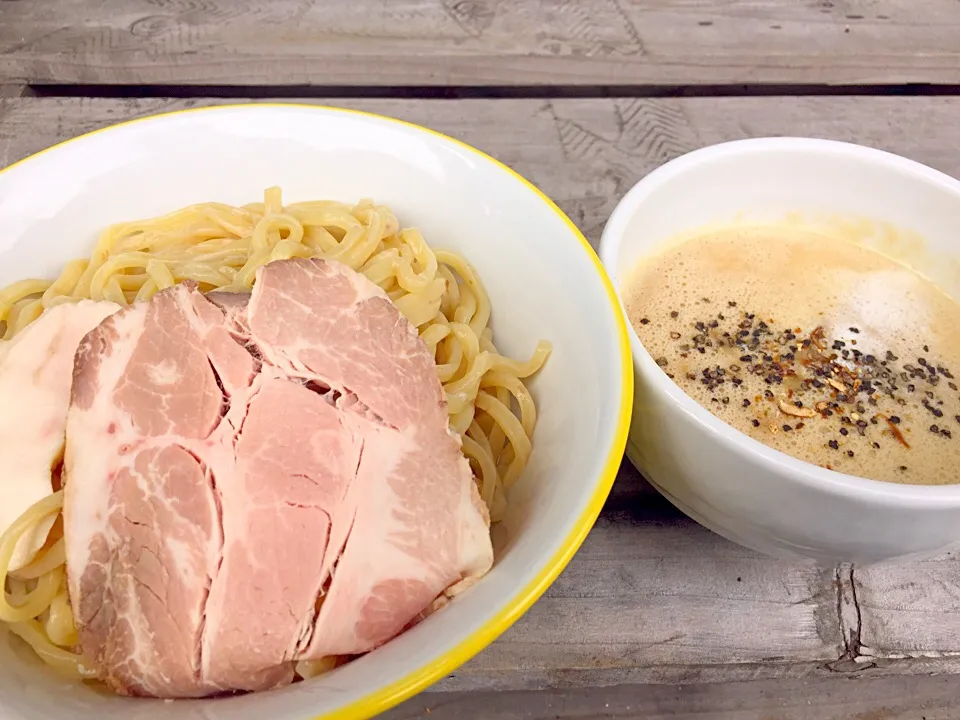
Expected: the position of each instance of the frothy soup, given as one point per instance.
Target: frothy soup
(820, 348)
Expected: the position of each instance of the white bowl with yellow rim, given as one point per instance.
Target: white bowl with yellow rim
(543, 280)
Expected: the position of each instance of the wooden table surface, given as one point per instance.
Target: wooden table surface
(655, 617)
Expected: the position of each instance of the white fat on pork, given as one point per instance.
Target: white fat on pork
(36, 369)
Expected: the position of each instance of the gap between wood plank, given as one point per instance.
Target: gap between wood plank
(851, 622)
(484, 91)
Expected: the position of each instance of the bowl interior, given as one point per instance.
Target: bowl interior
(543, 282)
(899, 207)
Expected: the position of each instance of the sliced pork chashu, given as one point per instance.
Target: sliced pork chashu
(234, 465)
(413, 522)
(141, 517)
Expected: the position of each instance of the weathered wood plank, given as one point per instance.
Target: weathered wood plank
(910, 610)
(833, 698)
(583, 153)
(479, 42)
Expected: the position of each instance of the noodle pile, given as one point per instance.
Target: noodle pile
(221, 247)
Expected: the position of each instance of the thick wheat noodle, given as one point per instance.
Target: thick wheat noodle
(67, 662)
(222, 246)
(524, 400)
(452, 354)
(476, 446)
(46, 560)
(513, 430)
(59, 624)
(498, 438)
(37, 600)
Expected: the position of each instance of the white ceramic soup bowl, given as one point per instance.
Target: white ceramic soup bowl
(722, 478)
(543, 279)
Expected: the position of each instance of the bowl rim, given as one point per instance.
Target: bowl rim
(773, 461)
(388, 696)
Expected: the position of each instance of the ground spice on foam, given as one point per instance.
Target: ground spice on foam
(812, 378)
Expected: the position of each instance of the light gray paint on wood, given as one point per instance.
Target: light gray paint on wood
(585, 154)
(830, 698)
(479, 42)
(911, 610)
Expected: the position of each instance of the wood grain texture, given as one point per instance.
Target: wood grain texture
(833, 698)
(655, 616)
(479, 42)
(585, 154)
(910, 610)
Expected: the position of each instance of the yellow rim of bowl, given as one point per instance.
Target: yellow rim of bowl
(406, 687)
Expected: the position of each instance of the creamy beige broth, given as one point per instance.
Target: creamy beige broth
(817, 347)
